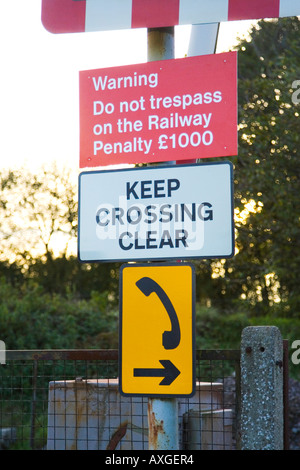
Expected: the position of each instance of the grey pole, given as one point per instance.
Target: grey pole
(162, 412)
(262, 425)
(161, 43)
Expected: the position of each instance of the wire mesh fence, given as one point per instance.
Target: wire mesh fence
(69, 400)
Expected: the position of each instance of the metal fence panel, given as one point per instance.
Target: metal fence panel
(69, 400)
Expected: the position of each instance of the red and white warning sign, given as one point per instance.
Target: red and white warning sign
(70, 16)
(159, 111)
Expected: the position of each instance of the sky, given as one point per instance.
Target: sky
(39, 80)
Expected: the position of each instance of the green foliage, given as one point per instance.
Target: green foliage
(67, 276)
(31, 318)
(34, 319)
(216, 329)
(219, 330)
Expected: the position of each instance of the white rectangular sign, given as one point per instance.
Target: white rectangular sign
(165, 212)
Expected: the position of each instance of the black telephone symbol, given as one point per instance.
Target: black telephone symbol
(147, 286)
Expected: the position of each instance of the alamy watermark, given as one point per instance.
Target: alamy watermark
(2, 352)
(139, 225)
(296, 93)
(296, 354)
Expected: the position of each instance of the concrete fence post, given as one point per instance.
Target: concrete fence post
(262, 421)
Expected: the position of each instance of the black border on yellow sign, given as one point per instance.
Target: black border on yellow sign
(151, 264)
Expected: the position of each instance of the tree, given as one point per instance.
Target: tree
(39, 235)
(38, 213)
(267, 169)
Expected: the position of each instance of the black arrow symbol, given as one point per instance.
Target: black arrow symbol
(169, 372)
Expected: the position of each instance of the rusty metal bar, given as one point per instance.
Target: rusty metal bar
(238, 400)
(107, 354)
(163, 424)
(57, 354)
(33, 404)
(286, 437)
(218, 355)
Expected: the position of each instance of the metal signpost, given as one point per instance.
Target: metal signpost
(157, 350)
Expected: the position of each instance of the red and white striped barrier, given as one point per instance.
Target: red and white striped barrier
(66, 16)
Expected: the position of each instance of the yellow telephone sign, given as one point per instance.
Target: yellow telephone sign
(157, 314)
